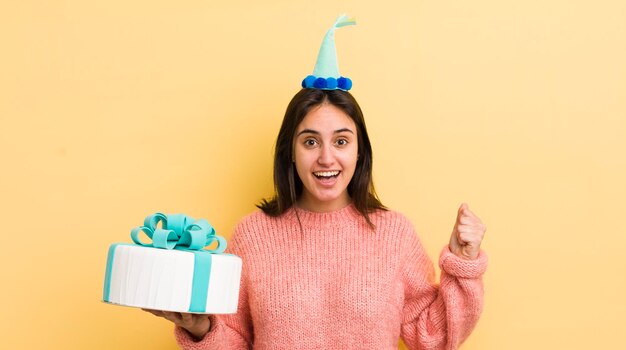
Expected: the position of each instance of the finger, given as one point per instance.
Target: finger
(178, 317)
(471, 234)
(471, 228)
(465, 228)
(171, 316)
(154, 312)
(468, 220)
(470, 238)
(187, 318)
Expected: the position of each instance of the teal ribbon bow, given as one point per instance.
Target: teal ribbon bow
(178, 231)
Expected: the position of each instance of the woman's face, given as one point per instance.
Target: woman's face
(325, 153)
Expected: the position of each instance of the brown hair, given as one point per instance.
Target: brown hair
(287, 184)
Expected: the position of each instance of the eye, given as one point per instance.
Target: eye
(310, 142)
(342, 142)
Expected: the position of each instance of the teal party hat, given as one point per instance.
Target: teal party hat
(326, 73)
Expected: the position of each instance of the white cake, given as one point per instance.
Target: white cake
(194, 281)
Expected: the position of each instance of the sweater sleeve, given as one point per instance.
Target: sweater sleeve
(227, 332)
(440, 316)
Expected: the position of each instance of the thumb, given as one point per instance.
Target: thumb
(461, 210)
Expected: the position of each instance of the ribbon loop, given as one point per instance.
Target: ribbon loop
(134, 234)
(178, 231)
(221, 244)
(153, 220)
(164, 239)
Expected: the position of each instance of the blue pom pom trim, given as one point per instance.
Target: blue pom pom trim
(313, 82)
(331, 83)
(344, 83)
(319, 83)
(308, 81)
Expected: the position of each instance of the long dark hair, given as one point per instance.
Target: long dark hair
(287, 184)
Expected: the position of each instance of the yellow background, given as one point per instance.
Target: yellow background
(112, 110)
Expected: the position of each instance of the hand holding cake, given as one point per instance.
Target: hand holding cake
(197, 325)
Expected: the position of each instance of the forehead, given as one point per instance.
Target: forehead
(326, 117)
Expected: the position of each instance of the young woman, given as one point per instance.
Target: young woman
(326, 265)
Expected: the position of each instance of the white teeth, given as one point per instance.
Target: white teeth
(326, 173)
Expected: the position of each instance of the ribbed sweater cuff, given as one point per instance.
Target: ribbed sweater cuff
(185, 340)
(463, 268)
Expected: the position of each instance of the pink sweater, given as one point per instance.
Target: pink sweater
(339, 285)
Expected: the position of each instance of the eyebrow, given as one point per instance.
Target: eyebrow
(311, 131)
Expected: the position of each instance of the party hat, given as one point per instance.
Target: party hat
(326, 73)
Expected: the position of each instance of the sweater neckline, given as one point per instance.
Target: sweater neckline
(336, 218)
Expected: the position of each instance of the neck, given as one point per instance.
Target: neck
(318, 206)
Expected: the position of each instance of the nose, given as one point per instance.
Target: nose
(326, 156)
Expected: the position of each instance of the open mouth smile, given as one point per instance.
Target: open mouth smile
(326, 175)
